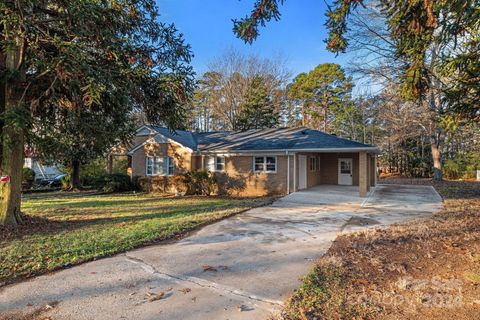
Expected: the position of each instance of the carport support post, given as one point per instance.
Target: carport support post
(294, 172)
(363, 174)
(288, 172)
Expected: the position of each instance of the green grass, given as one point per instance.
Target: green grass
(70, 229)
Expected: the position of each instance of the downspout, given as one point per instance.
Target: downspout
(288, 172)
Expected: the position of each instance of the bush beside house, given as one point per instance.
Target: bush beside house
(197, 182)
(116, 182)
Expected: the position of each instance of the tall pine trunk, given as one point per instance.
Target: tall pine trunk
(435, 106)
(12, 142)
(436, 143)
(436, 134)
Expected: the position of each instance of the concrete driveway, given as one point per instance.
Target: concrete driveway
(243, 267)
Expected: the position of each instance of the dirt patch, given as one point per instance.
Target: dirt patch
(425, 269)
(360, 221)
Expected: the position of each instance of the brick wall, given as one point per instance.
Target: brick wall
(239, 179)
(182, 157)
(329, 167)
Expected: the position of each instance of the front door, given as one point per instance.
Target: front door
(302, 172)
(345, 171)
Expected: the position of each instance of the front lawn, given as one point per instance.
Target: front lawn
(425, 269)
(67, 229)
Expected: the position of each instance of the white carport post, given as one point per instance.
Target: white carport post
(288, 172)
(294, 172)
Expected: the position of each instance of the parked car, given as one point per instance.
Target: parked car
(54, 183)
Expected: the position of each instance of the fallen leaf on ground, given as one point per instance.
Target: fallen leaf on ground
(185, 290)
(154, 296)
(209, 268)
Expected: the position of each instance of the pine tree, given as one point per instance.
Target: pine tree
(258, 111)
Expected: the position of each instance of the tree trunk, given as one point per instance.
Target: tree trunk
(110, 164)
(325, 113)
(75, 175)
(303, 114)
(436, 145)
(12, 144)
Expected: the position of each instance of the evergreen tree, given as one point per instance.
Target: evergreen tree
(258, 111)
(73, 134)
(52, 50)
(324, 92)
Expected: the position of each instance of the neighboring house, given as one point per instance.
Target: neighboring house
(41, 170)
(253, 162)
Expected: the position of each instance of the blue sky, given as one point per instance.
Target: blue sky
(207, 27)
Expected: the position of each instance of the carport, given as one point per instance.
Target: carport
(342, 168)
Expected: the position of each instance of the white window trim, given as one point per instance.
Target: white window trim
(265, 164)
(216, 163)
(153, 162)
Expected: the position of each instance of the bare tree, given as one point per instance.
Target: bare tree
(222, 90)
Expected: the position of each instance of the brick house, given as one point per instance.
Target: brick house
(254, 162)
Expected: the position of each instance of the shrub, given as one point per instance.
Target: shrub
(199, 182)
(116, 182)
(451, 169)
(92, 171)
(462, 166)
(66, 182)
(120, 165)
(28, 177)
(160, 184)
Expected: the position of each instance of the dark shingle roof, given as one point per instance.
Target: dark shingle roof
(261, 139)
(185, 138)
(273, 139)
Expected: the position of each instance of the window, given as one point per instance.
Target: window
(265, 164)
(160, 166)
(215, 163)
(345, 167)
(259, 164)
(313, 163)
(220, 163)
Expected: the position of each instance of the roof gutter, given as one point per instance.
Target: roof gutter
(320, 150)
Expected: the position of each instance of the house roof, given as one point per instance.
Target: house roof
(185, 138)
(278, 139)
